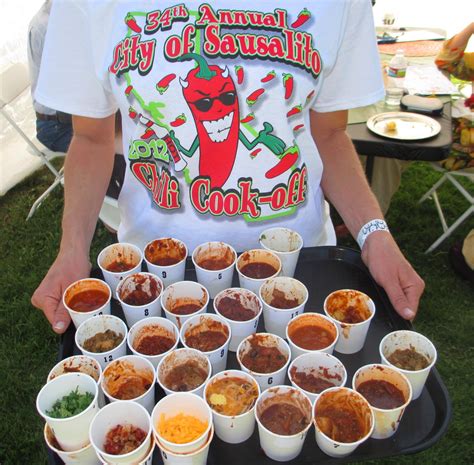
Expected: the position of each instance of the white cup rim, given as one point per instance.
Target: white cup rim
(359, 441)
(285, 344)
(236, 373)
(189, 454)
(396, 372)
(282, 278)
(128, 357)
(98, 309)
(244, 291)
(256, 279)
(371, 306)
(153, 276)
(124, 340)
(64, 420)
(234, 261)
(106, 249)
(181, 283)
(165, 266)
(67, 359)
(266, 231)
(402, 370)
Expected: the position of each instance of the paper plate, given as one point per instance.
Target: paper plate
(403, 125)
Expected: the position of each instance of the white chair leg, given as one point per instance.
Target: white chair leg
(45, 194)
(440, 212)
(448, 232)
(433, 189)
(461, 188)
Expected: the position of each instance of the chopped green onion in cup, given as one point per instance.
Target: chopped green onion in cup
(71, 404)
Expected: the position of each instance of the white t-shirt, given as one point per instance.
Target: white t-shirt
(215, 106)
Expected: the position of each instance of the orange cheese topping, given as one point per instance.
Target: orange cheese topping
(181, 428)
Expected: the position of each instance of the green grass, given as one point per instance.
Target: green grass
(28, 348)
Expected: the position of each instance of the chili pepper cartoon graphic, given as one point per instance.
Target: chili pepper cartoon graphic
(288, 84)
(128, 90)
(211, 95)
(286, 162)
(179, 120)
(271, 75)
(303, 16)
(248, 118)
(296, 110)
(309, 97)
(239, 71)
(298, 127)
(254, 96)
(255, 153)
(132, 113)
(164, 83)
(132, 24)
(147, 134)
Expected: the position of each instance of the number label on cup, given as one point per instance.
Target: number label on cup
(219, 276)
(163, 273)
(164, 455)
(108, 358)
(295, 314)
(146, 312)
(255, 324)
(270, 380)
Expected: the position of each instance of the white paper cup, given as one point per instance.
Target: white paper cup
(147, 460)
(237, 428)
(265, 380)
(320, 365)
(183, 292)
(256, 256)
(180, 357)
(188, 404)
(135, 313)
(198, 457)
(84, 456)
(406, 340)
(123, 413)
(71, 433)
(311, 319)
(130, 363)
(334, 396)
(80, 364)
(208, 322)
(277, 446)
(101, 324)
(386, 420)
(152, 326)
(120, 251)
(162, 249)
(276, 319)
(240, 329)
(287, 244)
(88, 284)
(351, 335)
(214, 280)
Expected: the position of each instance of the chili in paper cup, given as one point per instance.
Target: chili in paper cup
(283, 299)
(151, 335)
(214, 263)
(409, 340)
(263, 264)
(139, 295)
(184, 295)
(286, 244)
(177, 405)
(71, 433)
(238, 427)
(126, 414)
(359, 307)
(335, 400)
(311, 332)
(130, 377)
(267, 356)
(207, 331)
(239, 303)
(182, 369)
(91, 295)
(118, 261)
(102, 324)
(283, 441)
(316, 371)
(387, 418)
(166, 258)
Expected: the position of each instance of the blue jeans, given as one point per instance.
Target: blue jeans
(54, 135)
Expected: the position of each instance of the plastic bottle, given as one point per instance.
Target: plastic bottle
(397, 67)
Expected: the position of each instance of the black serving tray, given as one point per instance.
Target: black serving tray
(323, 270)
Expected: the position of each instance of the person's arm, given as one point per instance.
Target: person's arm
(87, 172)
(460, 40)
(345, 186)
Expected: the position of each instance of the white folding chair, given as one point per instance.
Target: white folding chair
(451, 177)
(13, 82)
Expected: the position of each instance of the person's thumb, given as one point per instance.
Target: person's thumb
(56, 313)
(399, 301)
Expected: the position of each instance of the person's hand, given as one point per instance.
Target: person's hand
(66, 269)
(392, 271)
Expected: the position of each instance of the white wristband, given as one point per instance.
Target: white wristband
(368, 229)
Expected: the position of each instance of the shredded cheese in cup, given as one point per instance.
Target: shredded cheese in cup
(181, 428)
